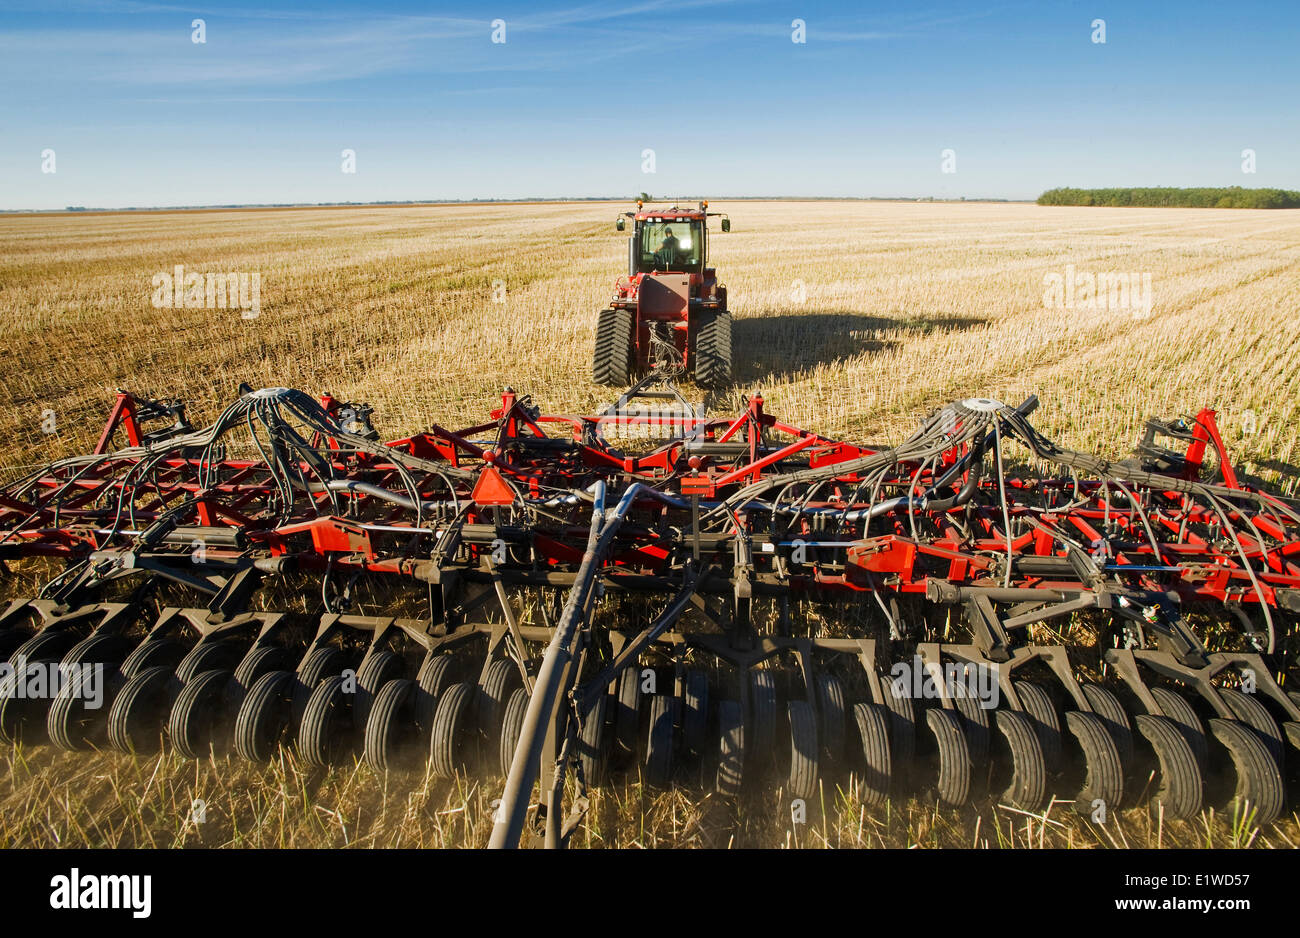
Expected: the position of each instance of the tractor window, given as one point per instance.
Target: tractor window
(671, 245)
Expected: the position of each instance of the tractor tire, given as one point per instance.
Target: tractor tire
(612, 363)
(711, 354)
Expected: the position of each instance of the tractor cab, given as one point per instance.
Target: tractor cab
(669, 314)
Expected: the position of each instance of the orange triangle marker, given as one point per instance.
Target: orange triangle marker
(491, 489)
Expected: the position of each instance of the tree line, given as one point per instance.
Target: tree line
(1229, 197)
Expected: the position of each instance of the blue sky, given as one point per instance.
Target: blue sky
(139, 114)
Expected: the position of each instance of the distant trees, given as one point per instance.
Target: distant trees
(1230, 197)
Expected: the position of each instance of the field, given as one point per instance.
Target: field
(854, 319)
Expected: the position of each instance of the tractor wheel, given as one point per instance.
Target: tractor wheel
(712, 351)
(611, 364)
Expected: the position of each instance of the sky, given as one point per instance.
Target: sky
(950, 100)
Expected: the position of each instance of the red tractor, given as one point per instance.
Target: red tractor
(669, 314)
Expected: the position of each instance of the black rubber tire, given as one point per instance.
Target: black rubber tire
(1108, 709)
(153, 653)
(512, 727)
(23, 718)
(731, 748)
(209, 656)
(611, 363)
(136, 717)
(494, 692)
(259, 661)
(10, 639)
(326, 721)
(695, 711)
(449, 740)
(761, 741)
(1259, 785)
(831, 713)
(265, 716)
(1027, 788)
(1254, 714)
(801, 781)
(99, 649)
(390, 732)
(873, 731)
(902, 736)
(1103, 777)
(711, 358)
(593, 743)
(199, 720)
(1180, 712)
(71, 725)
(627, 710)
(376, 671)
(979, 735)
(659, 742)
(319, 664)
(1041, 711)
(953, 780)
(437, 673)
(1180, 791)
(49, 645)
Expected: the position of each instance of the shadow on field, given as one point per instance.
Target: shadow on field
(767, 345)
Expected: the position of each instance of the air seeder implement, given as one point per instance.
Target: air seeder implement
(734, 604)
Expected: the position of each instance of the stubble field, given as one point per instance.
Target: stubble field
(854, 319)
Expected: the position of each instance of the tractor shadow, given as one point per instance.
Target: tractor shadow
(763, 346)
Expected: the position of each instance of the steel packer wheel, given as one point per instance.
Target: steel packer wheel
(872, 721)
(1180, 792)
